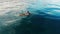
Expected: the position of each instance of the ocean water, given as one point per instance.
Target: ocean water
(44, 17)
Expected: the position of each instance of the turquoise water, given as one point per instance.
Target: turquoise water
(44, 19)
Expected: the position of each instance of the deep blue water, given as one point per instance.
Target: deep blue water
(45, 23)
(40, 24)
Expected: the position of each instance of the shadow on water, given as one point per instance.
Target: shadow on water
(38, 25)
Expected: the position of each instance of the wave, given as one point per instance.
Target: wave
(51, 13)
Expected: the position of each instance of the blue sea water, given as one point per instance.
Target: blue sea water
(44, 19)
